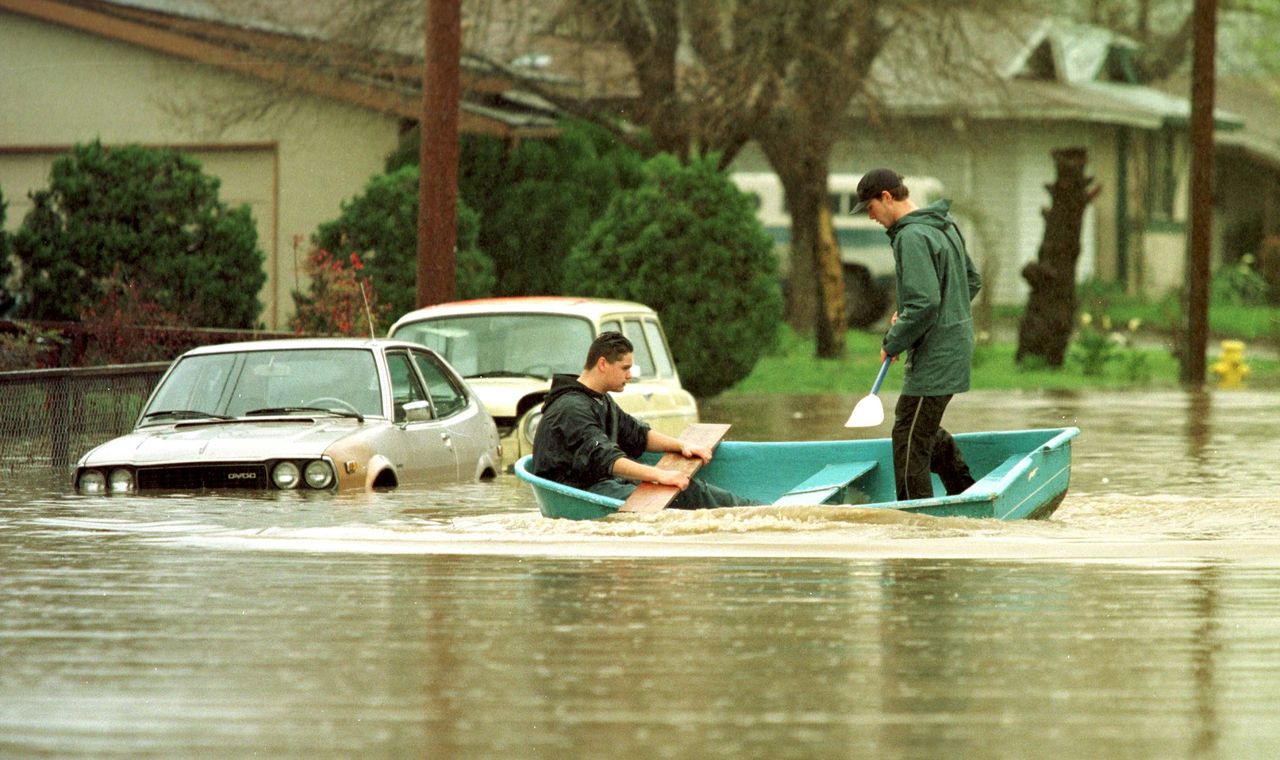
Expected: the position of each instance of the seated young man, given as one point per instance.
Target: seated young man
(585, 440)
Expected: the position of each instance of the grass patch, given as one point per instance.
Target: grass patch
(793, 368)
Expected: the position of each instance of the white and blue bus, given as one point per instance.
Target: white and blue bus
(861, 240)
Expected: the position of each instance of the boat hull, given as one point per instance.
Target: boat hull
(1021, 474)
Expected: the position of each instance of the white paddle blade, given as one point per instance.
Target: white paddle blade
(868, 413)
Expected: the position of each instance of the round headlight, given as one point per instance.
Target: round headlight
(318, 474)
(530, 425)
(93, 481)
(121, 480)
(285, 475)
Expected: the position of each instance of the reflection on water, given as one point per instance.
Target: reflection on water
(1142, 621)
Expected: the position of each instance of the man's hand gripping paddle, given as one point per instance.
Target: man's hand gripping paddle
(870, 411)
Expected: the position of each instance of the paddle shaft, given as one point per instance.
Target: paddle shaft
(884, 370)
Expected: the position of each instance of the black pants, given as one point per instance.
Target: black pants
(698, 495)
(921, 446)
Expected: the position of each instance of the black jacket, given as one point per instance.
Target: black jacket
(582, 433)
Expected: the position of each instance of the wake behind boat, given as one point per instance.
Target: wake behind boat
(1021, 474)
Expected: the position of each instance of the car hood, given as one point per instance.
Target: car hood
(501, 395)
(231, 440)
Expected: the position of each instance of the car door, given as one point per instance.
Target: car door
(424, 450)
(467, 426)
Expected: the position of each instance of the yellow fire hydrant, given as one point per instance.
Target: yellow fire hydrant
(1230, 367)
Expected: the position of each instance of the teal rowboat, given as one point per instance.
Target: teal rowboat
(1022, 474)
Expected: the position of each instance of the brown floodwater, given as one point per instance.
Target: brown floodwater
(1142, 620)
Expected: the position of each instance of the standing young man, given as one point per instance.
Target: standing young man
(586, 441)
(936, 282)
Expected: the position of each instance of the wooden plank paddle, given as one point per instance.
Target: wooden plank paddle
(654, 497)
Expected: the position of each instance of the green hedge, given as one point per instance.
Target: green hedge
(143, 219)
(381, 225)
(686, 242)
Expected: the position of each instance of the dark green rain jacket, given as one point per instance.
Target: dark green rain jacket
(936, 283)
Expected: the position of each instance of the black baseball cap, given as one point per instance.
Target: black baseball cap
(872, 184)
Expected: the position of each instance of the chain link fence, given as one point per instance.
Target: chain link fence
(50, 417)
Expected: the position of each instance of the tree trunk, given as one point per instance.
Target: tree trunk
(815, 292)
(1048, 320)
(832, 324)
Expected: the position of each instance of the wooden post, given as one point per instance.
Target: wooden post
(1201, 211)
(61, 421)
(438, 154)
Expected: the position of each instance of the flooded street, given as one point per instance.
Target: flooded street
(1142, 620)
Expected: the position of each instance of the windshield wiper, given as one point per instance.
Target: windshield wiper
(268, 410)
(186, 414)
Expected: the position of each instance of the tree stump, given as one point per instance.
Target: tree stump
(1049, 318)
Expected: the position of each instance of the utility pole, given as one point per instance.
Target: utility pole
(438, 154)
(1201, 213)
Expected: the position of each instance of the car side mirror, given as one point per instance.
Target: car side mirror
(417, 411)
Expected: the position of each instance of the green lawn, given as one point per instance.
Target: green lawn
(792, 368)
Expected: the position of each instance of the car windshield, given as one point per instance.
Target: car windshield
(236, 383)
(505, 345)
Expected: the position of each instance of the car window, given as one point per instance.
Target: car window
(611, 325)
(663, 365)
(447, 398)
(504, 345)
(644, 366)
(405, 386)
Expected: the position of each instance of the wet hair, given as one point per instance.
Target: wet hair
(611, 345)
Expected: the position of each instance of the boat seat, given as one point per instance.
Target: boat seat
(824, 483)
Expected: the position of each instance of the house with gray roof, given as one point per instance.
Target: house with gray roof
(986, 133)
(157, 71)
(291, 123)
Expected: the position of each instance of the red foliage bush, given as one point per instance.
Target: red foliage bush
(340, 300)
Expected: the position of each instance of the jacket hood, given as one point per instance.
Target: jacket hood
(564, 384)
(936, 215)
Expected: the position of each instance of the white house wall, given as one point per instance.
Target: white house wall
(61, 87)
(995, 175)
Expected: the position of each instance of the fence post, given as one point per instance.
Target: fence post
(59, 434)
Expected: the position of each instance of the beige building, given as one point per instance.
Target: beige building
(126, 72)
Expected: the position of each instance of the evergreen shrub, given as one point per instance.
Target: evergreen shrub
(687, 243)
(6, 251)
(537, 202)
(149, 218)
(381, 225)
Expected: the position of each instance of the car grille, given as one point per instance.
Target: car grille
(204, 476)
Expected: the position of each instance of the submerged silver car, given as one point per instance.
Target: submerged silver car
(314, 414)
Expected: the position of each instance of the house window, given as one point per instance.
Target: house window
(1162, 185)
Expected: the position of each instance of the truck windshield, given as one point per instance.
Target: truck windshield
(512, 345)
